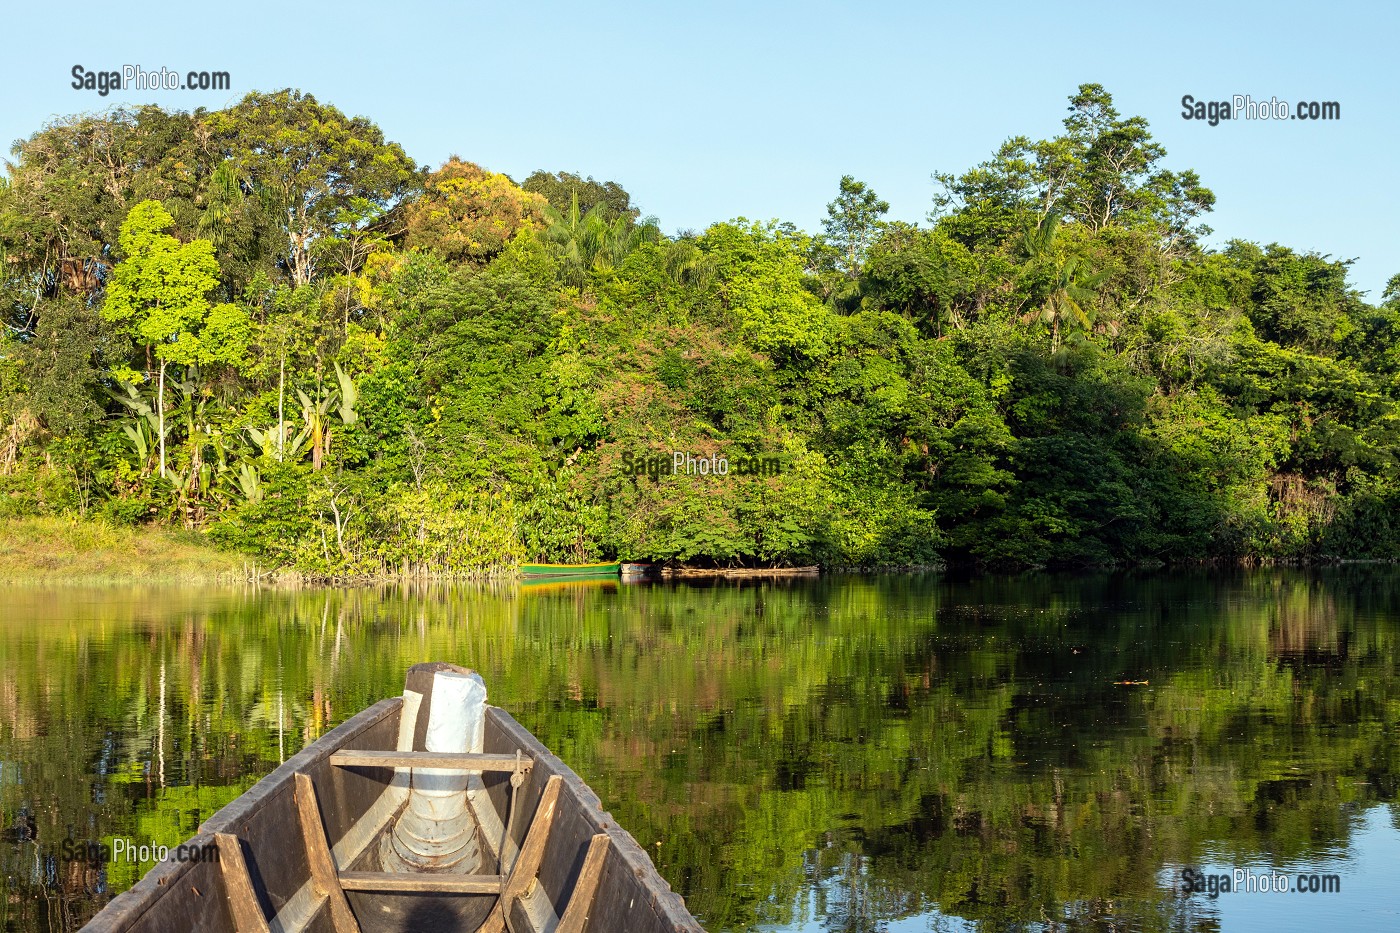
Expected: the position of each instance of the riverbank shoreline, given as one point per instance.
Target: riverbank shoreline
(65, 549)
(61, 549)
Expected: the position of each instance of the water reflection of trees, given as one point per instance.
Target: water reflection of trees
(856, 750)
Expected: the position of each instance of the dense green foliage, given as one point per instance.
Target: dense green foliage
(333, 360)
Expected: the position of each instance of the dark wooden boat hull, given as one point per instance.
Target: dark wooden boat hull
(200, 896)
(742, 572)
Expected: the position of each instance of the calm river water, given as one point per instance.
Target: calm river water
(1037, 752)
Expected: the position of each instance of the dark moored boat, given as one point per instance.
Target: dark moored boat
(368, 830)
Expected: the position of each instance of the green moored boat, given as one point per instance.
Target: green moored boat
(571, 570)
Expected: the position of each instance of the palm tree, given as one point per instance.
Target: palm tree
(688, 264)
(223, 201)
(1068, 301)
(594, 241)
(575, 237)
(619, 237)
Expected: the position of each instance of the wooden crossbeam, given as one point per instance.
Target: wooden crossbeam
(586, 888)
(318, 854)
(400, 882)
(527, 863)
(242, 899)
(462, 761)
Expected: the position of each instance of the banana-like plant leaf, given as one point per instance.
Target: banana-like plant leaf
(139, 442)
(249, 482)
(261, 440)
(349, 395)
(298, 445)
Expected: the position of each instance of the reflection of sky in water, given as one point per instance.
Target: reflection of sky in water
(847, 754)
(1369, 899)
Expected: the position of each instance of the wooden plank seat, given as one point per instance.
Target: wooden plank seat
(404, 883)
(463, 761)
(242, 899)
(318, 854)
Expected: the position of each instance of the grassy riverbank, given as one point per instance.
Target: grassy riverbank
(52, 548)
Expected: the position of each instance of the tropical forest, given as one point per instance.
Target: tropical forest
(267, 326)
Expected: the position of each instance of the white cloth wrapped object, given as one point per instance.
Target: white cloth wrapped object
(437, 830)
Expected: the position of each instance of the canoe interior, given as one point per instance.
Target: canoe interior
(354, 808)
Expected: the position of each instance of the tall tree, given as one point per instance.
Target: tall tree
(159, 292)
(1063, 285)
(327, 176)
(1391, 296)
(853, 222)
(1298, 299)
(1103, 171)
(595, 240)
(67, 196)
(1109, 170)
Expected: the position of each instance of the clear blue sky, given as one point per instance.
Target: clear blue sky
(715, 110)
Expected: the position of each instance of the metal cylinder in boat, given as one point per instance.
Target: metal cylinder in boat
(437, 830)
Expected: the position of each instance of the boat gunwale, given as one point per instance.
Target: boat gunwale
(635, 860)
(126, 909)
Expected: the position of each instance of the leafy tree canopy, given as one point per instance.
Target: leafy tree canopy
(468, 214)
(1103, 171)
(323, 176)
(561, 189)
